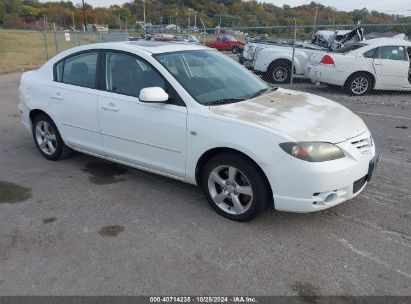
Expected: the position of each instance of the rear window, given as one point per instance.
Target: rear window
(349, 48)
(79, 69)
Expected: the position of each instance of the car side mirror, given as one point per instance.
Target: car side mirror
(153, 95)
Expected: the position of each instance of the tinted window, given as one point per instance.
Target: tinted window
(59, 72)
(392, 53)
(81, 69)
(370, 54)
(126, 74)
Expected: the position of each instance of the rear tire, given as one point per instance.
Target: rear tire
(235, 187)
(279, 72)
(48, 140)
(359, 84)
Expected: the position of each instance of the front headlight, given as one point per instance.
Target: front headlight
(312, 151)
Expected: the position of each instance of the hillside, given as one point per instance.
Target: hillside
(231, 13)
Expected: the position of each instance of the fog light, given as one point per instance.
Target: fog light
(330, 198)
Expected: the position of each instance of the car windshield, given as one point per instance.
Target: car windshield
(212, 78)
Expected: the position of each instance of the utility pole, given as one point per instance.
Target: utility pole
(74, 24)
(204, 33)
(315, 21)
(84, 16)
(190, 11)
(293, 56)
(188, 24)
(119, 21)
(144, 12)
(195, 20)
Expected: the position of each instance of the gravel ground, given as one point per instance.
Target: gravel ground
(83, 226)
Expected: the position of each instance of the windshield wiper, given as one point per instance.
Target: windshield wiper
(225, 101)
(263, 91)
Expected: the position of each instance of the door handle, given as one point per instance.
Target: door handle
(57, 96)
(110, 107)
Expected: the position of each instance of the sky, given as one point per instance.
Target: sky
(387, 6)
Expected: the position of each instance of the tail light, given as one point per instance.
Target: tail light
(327, 60)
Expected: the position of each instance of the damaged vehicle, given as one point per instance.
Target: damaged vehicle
(380, 64)
(274, 60)
(193, 114)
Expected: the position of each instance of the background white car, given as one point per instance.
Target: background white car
(193, 114)
(377, 64)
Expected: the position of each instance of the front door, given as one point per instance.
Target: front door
(148, 135)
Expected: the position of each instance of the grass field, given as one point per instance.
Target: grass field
(22, 50)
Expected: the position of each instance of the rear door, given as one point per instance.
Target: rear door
(391, 68)
(73, 100)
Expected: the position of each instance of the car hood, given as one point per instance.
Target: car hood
(296, 116)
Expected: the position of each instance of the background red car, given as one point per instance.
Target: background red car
(226, 43)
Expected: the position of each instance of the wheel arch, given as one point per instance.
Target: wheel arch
(35, 112)
(207, 155)
(281, 60)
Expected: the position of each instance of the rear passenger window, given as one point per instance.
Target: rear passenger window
(370, 54)
(80, 70)
(392, 53)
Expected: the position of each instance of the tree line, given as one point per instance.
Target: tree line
(226, 13)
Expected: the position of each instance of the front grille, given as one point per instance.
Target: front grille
(359, 184)
(364, 144)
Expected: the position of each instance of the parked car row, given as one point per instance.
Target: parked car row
(378, 64)
(274, 60)
(359, 66)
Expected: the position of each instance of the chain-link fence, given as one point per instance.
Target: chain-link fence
(353, 59)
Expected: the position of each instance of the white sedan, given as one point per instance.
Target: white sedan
(193, 114)
(377, 64)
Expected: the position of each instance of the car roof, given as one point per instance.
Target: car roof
(154, 47)
(387, 41)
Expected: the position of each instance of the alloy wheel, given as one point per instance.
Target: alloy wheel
(46, 137)
(359, 85)
(230, 189)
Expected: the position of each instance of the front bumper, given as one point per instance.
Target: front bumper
(308, 187)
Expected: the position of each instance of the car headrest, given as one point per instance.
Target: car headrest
(123, 65)
(79, 68)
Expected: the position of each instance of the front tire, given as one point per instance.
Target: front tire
(235, 187)
(48, 140)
